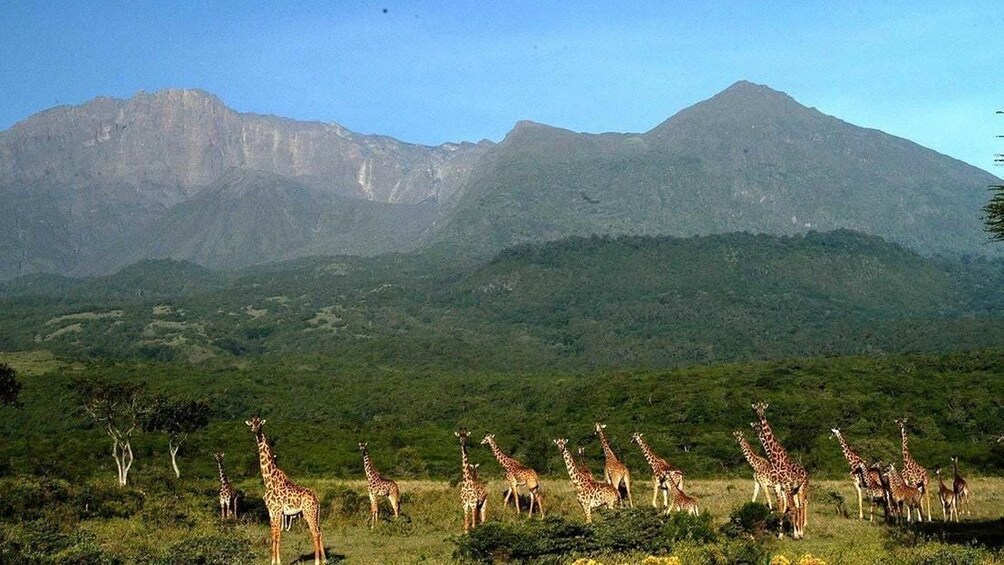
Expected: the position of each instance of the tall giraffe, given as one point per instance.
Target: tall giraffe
(680, 499)
(614, 472)
(760, 465)
(874, 486)
(377, 487)
(854, 460)
(913, 474)
(589, 492)
(283, 497)
(789, 478)
(228, 496)
(517, 475)
(473, 493)
(661, 471)
(961, 489)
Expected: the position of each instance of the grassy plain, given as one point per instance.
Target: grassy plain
(432, 520)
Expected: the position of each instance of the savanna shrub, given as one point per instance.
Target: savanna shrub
(105, 500)
(26, 498)
(41, 543)
(735, 552)
(502, 542)
(752, 520)
(647, 530)
(345, 502)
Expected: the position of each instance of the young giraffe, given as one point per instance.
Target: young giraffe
(516, 474)
(949, 508)
(913, 474)
(873, 486)
(902, 495)
(614, 472)
(761, 468)
(961, 489)
(854, 460)
(379, 486)
(789, 478)
(679, 499)
(283, 497)
(228, 496)
(590, 493)
(473, 493)
(582, 464)
(661, 471)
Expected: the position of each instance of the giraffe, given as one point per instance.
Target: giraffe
(961, 489)
(853, 459)
(761, 468)
(473, 493)
(379, 486)
(913, 474)
(582, 464)
(283, 497)
(871, 480)
(680, 499)
(949, 507)
(228, 496)
(902, 495)
(516, 474)
(661, 471)
(589, 492)
(789, 478)
(614, 472)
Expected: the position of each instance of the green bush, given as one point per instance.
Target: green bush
(105, 500)
(209, 550)
(752, 520)
(647, 530)
(40, 542)
(735, 552)
(27, 498)
(503, 542)
(345, 502)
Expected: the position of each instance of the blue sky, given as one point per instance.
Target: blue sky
(429, 72)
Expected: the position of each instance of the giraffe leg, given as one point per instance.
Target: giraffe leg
(766, 494)
(374, 510)
(627, 488)
(655, 493)
(861, 508)
(312, 515)
(665, 495)
(756, 489)
(275, 531)
(484, 510)
(508, 493)
(514, 489)
(395, 504)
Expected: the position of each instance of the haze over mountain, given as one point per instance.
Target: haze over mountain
(90, 188)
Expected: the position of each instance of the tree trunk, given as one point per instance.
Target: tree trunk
(123, 460)
(174, 457)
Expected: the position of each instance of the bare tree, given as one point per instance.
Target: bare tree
(118, 409)
(994, 210)
(178, 418)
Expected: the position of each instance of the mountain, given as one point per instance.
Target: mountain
(749, 159)
(78, 182)
(176, 174)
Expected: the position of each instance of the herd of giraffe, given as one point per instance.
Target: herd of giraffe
(895, 490)
(908, 489)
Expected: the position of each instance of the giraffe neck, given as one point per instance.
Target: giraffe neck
(371, 472)
(504, 460)
(852, 458)
(748, 452)
(941, 482)
(270, 473)
(653, 461)
(608, 453)
(465, 468)
(223, 477)
(573, 471)
(906, 447)
(770, 443)
(955, 467)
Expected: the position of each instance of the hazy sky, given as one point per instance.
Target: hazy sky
(430, 72)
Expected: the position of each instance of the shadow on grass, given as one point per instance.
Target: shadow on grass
(986, 533)
(328, 551)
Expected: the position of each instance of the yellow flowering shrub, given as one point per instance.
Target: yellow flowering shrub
(780, 560)
(810, 560)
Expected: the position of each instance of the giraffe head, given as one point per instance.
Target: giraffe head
(473, 468)
(834, 432)
(600, 427)
(463, 435)
(1000, 439)
(757, 428)
(488, 439)
(561, 443)
(218, 456)
(363, 447)
(938, 472)
(955, 460)
(636, 437)
(255, 423)
(582, 452)
(901, 422)
(761, 408)
(739, 435)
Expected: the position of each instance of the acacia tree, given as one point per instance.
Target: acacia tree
(10, 387)
(118, 409)
(178, 418)
(994, 210)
